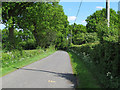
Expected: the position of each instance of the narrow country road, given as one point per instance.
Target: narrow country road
(54, 71)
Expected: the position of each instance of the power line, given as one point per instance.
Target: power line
(78, 10)
(76, 17)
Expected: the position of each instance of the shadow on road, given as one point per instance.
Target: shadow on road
(70, 77)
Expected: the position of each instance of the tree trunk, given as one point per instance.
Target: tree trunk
(11, 36)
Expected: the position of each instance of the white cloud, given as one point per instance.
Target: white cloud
(99, 7)
(83, 21)
(71, 18)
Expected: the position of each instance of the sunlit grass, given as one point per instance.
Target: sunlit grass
(84, 76)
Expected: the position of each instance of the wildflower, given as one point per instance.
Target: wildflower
(108, 73)
(111, 77)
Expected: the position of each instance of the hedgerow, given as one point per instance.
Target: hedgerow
(102, 60)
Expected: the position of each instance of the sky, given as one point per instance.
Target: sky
(88, 7)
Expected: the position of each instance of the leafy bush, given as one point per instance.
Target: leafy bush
(83, 38)
(106, 33)
(105, 58)
(79, 39)
(62, 42)
(23, 40)
(91, 37)
(6, 57)
(28, 44)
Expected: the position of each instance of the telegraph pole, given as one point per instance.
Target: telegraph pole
(108, 12)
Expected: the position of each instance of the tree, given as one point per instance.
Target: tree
(10, 13)
(119, 25)
(78, 33)
(99, 16)
(45, 21)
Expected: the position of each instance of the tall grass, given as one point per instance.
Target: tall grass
(85, 78)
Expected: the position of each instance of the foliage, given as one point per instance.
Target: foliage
(101, 58)
(78, 33)
(83, 38)
(91, 37)
(100, 15)
(23, 40)
(31, 25)
(105, 58)
(46, 21)
(16, 59)
(16, 56)
(10, 13)
(106, 33)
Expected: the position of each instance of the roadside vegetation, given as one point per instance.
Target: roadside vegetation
(98, 51)
(17, 59)
(34, 30)
(85, 78)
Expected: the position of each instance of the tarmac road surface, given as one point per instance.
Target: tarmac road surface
(54, 71)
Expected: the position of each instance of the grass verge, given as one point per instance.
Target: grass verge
(84, 76)
(27, 61)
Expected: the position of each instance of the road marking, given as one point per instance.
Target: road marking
(51, 81)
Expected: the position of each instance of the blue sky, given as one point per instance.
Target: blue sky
(87, 8)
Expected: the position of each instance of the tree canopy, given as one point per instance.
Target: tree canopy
(46, 21)
(100, 16)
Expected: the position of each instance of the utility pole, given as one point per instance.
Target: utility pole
(108, 12)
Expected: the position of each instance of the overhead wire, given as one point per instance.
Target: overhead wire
(76, 18)
(78, 10)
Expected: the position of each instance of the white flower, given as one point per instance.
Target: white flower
(108, 73)
(111, 77)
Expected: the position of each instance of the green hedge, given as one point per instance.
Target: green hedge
(83, 38)
(103, 60)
